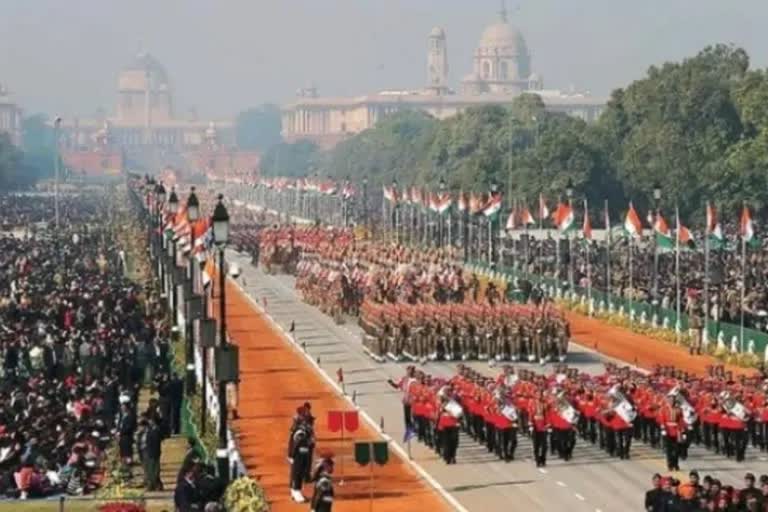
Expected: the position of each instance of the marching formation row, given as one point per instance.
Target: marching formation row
(461, 332)
(666, 410)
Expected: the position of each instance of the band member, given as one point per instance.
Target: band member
(506, 429)
(447, 431)
(539, 428)
(298, 457)
(563, 435)
(672, 431)
(404, 385)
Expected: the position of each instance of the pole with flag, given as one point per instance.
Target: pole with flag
(634, 228)
(607, 256)
(491, 212)
(747, 236)
(677, 273)
(543, 214)
(587, 232)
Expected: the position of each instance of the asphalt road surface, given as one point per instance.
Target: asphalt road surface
(592, 481)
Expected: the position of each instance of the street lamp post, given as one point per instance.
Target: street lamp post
(365, 203)
(173, 208)
(193, 214)
(494, 192)
(657, 214)
(440, 219)
(220, 221)
(395, 205)
(160, 196)
(56, 128)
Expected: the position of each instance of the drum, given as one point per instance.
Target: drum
(454, 409)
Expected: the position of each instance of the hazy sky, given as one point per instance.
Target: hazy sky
(63, 56)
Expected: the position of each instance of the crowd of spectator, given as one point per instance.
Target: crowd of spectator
(706, 494)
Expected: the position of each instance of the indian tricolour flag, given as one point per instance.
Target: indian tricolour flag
(526, 218)
(662, 232)
(632, 224)
(714, 230)
(493, 206)
(462, 203)
(444, 202)
(511, 220)
(543, 210)
(390, 194)
(564, 217)
(747, 230)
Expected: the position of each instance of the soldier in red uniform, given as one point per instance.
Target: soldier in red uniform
(672, 430)
(538, 415)
(447, 432)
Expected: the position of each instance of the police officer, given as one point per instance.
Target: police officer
(322, 497)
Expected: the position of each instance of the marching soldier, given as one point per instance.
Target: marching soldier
(447, 431)
(539, 429)
(672, 431)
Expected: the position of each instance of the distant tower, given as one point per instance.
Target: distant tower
(437, 62)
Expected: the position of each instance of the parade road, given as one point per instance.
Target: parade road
(591, 481)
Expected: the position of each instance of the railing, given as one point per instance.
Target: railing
(726, 334)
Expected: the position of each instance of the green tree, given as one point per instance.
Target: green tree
(258, 128)
(298, 159)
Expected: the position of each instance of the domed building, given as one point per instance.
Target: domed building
(501, 70)
(502, 63)
(146, 132)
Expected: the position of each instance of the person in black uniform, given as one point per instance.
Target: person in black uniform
(322, 497)
(298, 457)
(126, 429)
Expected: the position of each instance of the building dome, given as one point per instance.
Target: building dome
(502, 37)
(437, 32)
(147, 63)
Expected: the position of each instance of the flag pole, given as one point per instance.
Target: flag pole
(631, 290)
(587, 242)
(677, 273)
(607, 257)
(705, 341)
(743, 280)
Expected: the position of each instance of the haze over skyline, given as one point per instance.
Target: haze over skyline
(221, 57)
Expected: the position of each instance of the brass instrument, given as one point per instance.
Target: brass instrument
(689, 413)
(733, 407)
(622, 407)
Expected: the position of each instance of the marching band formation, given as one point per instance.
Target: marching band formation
(667, 410)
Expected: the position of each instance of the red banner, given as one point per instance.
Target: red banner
(351, 421)
(335, 419)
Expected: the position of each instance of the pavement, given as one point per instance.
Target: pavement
(591, 481)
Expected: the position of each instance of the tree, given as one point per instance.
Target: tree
(298, 159)
(258, 128)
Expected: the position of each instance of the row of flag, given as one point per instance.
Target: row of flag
(326, 187)
(192, 237)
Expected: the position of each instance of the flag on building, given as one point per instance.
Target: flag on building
(632, 224)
